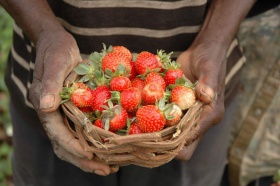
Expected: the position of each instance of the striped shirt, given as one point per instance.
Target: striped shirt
(137, 24)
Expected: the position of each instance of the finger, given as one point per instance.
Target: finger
(212, 114)
(211, 82)
(91, 166)
(57, 67)
(60, 135)
(114, 168)
(186, 153)
(206, 90)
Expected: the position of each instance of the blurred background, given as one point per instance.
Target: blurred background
(258, 35)
(6, 24)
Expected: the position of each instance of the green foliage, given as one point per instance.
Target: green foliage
(6, 23)
(5, 42)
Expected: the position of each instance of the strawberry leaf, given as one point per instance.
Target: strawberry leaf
(84, 79)
(107, 124)
(94, 58)
(82, 69)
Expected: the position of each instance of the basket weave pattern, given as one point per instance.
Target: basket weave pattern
(145, 149)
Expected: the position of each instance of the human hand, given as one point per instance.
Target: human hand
(57, 55)
(205, 62)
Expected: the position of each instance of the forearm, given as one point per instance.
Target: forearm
(223, 20)
(33, 16)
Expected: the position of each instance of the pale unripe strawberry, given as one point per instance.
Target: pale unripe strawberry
(183, 96)
(175, 113)
(151, 93)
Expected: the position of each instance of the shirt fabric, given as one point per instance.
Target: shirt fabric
(137, 25)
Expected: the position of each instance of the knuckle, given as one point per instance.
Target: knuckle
(219, 114)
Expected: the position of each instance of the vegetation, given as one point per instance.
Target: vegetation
(5, 120)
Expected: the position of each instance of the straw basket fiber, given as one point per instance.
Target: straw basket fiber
(145, 149)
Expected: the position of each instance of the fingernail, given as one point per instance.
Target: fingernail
(207, 91)
(100, 172)
(47, 101)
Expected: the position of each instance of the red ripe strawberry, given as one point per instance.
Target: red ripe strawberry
(134, 129)
(171, 75)
(98, 123)
(146, 61)
(112, 60)
(131, 115)
(150, 118)
(138, 83)
(130, 99)
(85, 109)
(115, 118)
(101, 95)
(82, 95)
(120, 83)
(154, 77)
(183, 96)
(133, 72)
(123, 50)
(176, 113)
(151, 93)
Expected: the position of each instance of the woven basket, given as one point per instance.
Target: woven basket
(146, 149)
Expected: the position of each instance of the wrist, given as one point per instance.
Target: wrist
(222, 21)
(33, 16)
(46, 28)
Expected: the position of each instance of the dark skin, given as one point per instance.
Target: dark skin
(58, 54)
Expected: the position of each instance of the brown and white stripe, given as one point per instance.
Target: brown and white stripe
(137, 24)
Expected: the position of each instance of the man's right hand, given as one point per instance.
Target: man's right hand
(56, 56)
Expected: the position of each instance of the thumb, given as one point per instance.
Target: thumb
(205, 91)
(52, 82)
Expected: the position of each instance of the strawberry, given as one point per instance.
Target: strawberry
(130, 99)
(134, 129)
(123, 50)
(164, 59)
(176, 113)
(183, 96)
(151, 93)
(155, 77)
(82, 95)
(112, 60)
(101, 95)
(98, 123)
(138, 83)
(120, 83)
(133, 72)
(150, 118)
(115, 117)
(172, 75)
(146, 62)
(85, 109)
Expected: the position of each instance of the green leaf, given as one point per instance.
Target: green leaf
(82, 69)
(95, 57)
(5, 149)
(276, 177)
(107, 124)
(84, 79)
